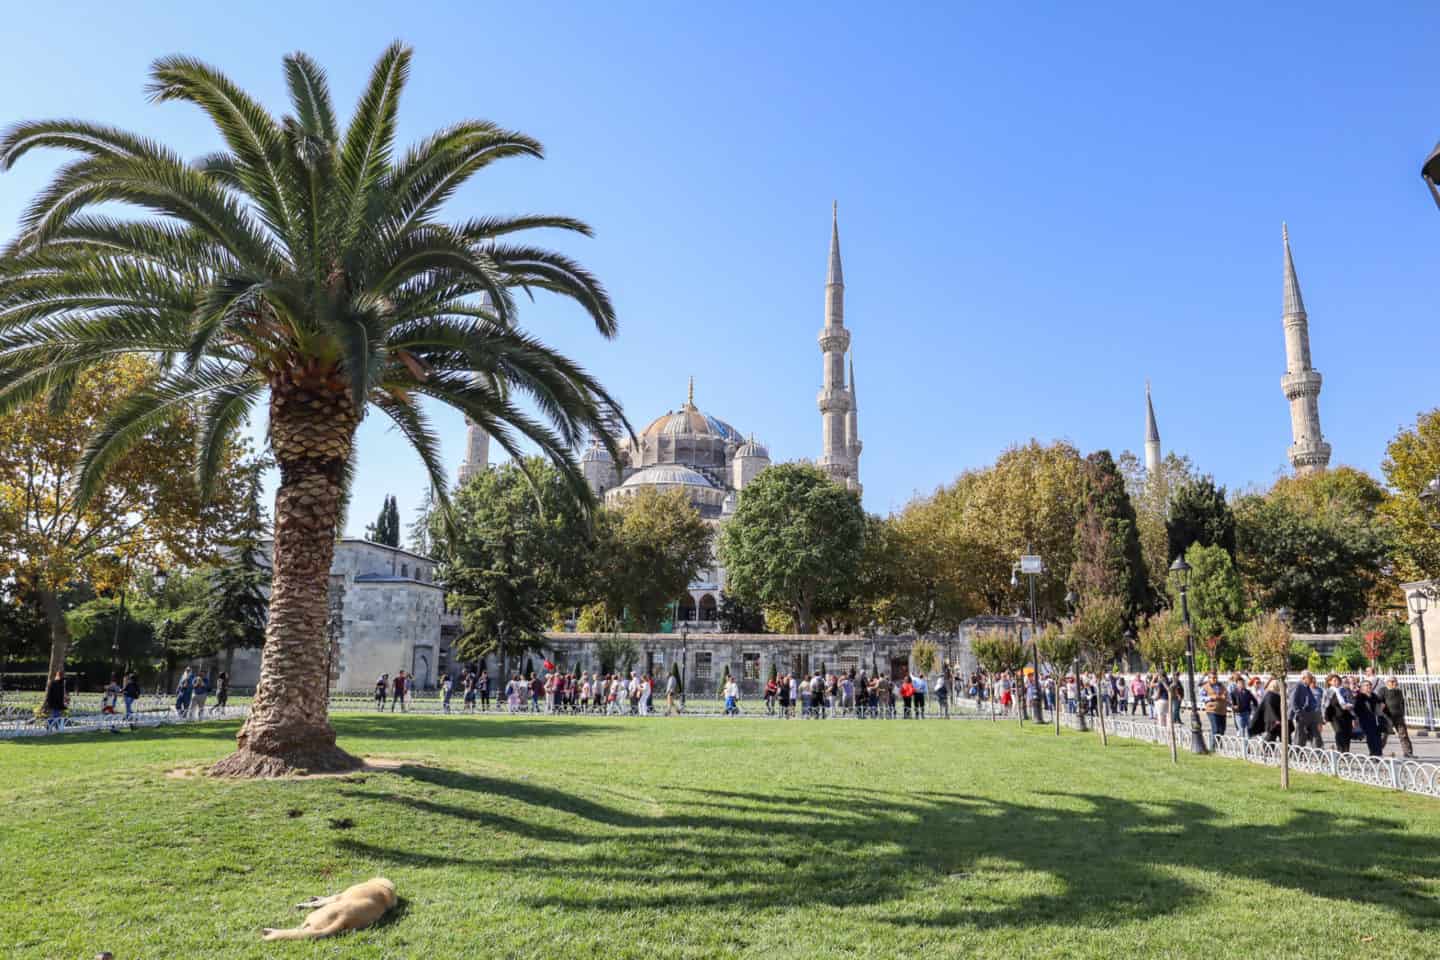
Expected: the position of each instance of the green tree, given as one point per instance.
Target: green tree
(1099, 629)
(1150, 494)
(234, 611)
(1215, 595)
(1412, 460)
(144, 513)
(997, 651)
(735, 617)
(1028, 501)
(1108, 561)
(648, 549)
(1163, 640)
(417, 538)
(1199, 513)
(303, 265)
(1058, 647)
(1312, 545)
(519, 546)
(616, 653)
(795, 541)
(386, 528)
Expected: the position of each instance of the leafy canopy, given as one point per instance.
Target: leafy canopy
(304, 251)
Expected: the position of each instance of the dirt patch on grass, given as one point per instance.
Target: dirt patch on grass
(371, 765)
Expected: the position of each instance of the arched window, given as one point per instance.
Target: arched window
(687, 607)
(708, 607)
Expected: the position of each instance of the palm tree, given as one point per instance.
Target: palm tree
(304, 266)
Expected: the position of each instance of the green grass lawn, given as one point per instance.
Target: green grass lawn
(599, 838)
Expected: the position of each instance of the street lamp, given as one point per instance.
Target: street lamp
(1418, 604)
(1182, 571)
(162, 578)
(1030, 565)
(1072, 600)
(684, 664)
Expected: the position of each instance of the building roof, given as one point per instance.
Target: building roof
(690, 421)
(596, 453)
(667, 474)
(752, 449)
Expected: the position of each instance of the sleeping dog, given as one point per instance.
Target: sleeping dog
(351, 909)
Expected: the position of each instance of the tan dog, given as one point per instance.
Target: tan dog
(351, 909)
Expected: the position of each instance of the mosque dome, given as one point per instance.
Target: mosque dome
(596, 453)
(752, 449)
(690, 421)
(667, 475)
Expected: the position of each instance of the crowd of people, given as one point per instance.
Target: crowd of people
(1361, 708)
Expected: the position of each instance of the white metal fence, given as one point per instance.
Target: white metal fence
(1410, 776)
(1422, 694)
(16, 722)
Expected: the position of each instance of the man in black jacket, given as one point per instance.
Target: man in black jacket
(1392, 700)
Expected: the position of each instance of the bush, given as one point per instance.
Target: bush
(924, 654)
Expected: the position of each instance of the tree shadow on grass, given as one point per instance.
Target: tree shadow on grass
(402, 727)
(1108, 860)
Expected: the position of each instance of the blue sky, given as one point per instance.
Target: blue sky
(1039, 207)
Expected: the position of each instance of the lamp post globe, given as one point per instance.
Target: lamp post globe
(1181, 570)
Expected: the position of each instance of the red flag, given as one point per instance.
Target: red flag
(549, 665)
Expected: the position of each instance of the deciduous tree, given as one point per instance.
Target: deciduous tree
(795, 541)
(648, 549)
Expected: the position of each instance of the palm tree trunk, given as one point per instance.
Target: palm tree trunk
(312, 426)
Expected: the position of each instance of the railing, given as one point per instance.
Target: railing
(1409, 776)
(16, 723)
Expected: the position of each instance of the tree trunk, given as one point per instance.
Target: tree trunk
(1284, 731)
(59, 630)
(312, 426)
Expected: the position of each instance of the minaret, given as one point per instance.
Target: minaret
(833, 399)
(1309, 453)
(853, 446)
(477, 451)
(1152, 437)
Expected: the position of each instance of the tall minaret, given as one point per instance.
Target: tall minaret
(477, 451)
(853, 446)
(833, 399)
(1309, 453)
(1152, 437)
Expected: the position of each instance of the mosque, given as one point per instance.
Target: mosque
(711, 460)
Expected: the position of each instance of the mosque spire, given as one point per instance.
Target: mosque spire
(1294, 304)
(690, 396)
(1152, 436)
(1309, 453)
(834, 399)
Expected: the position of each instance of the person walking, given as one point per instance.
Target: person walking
(1305, 710)
(1367, 712)
(222, 693)
(56, 702)
(1160, 690)
(907, 696)
(942, 692)
(1393, 699)
(732, 698)
(468, 683)
(131, 693)
(672, 691)
(1217, 705)
(1337, 707)
(111, 699)
(381, 686)
(482, 687)
(921, 688)
(182, 694)
(398, 695)
(200, 693)
(1242, 701)
(1266, 722)
(447, 688)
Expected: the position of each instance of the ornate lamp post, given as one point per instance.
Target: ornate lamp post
(684, 664)
(1182, 570)
(1072, 600)
(1030, 565)
(162, 578)
(1419, 602)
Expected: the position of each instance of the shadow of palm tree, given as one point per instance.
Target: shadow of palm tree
(1111, 858)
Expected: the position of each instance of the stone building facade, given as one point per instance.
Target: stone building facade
(387, 614)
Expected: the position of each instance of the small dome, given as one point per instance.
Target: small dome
(667, 474)
(596, 453)
(752, 449)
